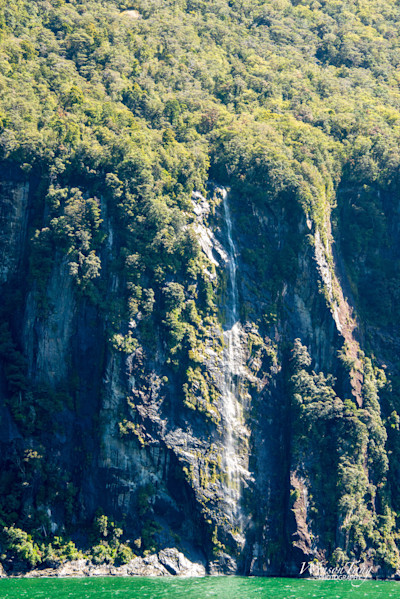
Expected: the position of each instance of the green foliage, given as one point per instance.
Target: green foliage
(148, 535)
(340, 450)
(59, 551)
(124, 555)
(200, 394)
(105, 529)
(102, 554)
(106, 545)
(21, 545)
(218, 547)
(115, 120)
(74, 226)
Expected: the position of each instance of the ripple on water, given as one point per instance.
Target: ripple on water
(200, 588)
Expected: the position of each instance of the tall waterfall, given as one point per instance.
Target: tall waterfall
(235, 432)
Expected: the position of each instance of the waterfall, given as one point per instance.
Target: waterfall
(232, 360)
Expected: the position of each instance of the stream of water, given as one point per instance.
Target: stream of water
(233, 417)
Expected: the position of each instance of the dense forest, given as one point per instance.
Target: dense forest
(121, 125)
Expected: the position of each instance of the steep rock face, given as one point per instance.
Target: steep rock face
(47, 340)
(289, 304)
(13, 220)
(227, 468)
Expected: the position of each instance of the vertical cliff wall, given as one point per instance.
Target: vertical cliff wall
(199, 265)
(242, 456)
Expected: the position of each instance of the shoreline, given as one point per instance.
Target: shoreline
(170, 562)
(167, 562)
(151, 567)
(182, 576)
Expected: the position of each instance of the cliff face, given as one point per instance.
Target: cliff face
(199, 265)
(256, 463)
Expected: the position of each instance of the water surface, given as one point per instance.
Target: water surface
(195, 588)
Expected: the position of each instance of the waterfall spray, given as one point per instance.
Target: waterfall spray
(232, 416)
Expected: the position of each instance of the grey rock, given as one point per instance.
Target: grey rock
(168, 562)
(13, 224)
(176, 563)
(225, 564)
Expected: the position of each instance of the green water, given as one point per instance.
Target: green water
(196, 588)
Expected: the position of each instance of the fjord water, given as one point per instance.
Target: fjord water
(196, 588)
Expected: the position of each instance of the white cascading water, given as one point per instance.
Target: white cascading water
(232, 416)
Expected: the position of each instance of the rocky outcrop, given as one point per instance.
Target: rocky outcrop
(167, 562)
